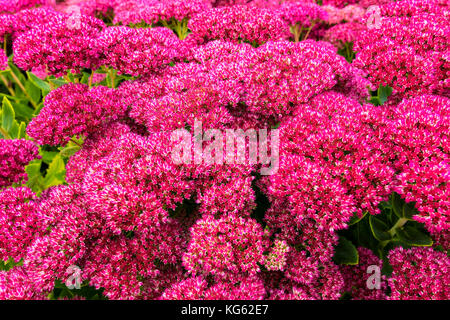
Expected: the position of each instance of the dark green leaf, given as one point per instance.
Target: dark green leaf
(345, 252)
(35, 180)
(397, 204)
(379, 229)
(355, 219)
(384, 93)
(409, 210)
(413, 237)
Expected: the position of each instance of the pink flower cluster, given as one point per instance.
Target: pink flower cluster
(260, 26)
(414, 58)
(62, 44)
(139, 51)
(14, 156)
(142, 226)
(3, 60)
(343, 33)
(154, 11)
(419, 130)
(419, 273)
(304, 14)
(74, 110)
(350, 13)
(12, 6)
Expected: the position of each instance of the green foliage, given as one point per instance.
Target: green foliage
(9, 264)
(61, 291)
(394, 227)
(347, 51)
(39, 83)
(380, 230)
(10, 128)
(345, 252)
(381, 95)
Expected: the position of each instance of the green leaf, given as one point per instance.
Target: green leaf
(413, 237)
(33, 91)
(383, 93)
(69, 151)
(14, 130)
(355, 219)
(23, 111)
(55, 172)
(22, 131)
(38, 109)
(379, 229)
(48, 156)
(58, 82)
(345, 252)
(35, 180)
(39, 83)
(17, 72)
(397, 204)
(409, 210)
(8, 115)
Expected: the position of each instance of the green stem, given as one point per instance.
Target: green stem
(91, 78)
(8, 86)
(112, 77)
(399, 224)
(21, 86)
(309, 30)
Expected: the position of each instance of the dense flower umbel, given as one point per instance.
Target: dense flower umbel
(17, 5)
(15, 284)
(154, 11)
(303, 14)
(95, 8)
(238, 24)
(330, 168)
(139, 51)
(3, 60)
(60, 45)
(229, 244)
(19, 223)
(413, 59)
(14, 156)
(273, 78)
(419, 273)
(74, 109)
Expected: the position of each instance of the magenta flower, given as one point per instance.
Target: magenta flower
(74, 110)
(66, 43)
(14, 156)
